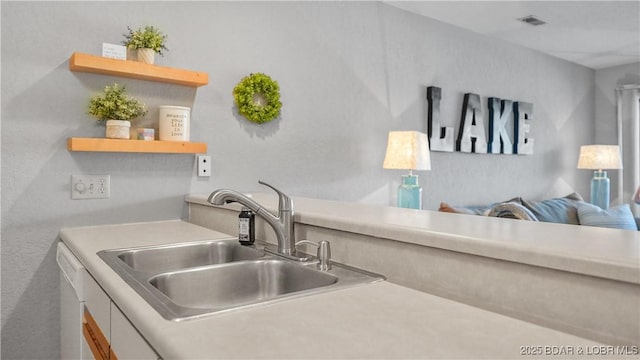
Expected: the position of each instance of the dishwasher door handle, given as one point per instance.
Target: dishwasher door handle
(71, 268)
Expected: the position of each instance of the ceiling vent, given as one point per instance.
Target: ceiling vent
(532, 20)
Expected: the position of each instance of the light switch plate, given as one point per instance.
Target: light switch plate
(90, 187)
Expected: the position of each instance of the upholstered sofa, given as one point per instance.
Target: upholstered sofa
(571, 209)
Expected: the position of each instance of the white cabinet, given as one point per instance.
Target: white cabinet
(98, 303)
(126, 341)
(96, 321)
(107, 332)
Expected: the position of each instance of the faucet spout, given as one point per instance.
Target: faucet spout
(282, 224)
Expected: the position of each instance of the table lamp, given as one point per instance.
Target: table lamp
(599, 158)
(408, 150)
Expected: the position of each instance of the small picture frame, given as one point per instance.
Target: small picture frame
(114, 51)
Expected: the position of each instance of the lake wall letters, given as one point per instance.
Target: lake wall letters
(509, 126)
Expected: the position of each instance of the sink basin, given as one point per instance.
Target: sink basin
(181, 256)
(191, 280)
(238, 284)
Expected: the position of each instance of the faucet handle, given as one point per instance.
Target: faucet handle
(323, 255)
(284, 202)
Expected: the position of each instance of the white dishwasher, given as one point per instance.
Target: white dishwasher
(72, 297)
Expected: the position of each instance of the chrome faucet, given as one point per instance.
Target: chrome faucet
(282, 224)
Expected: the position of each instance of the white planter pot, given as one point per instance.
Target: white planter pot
(146, 56)
(173, 123)
(118, 129)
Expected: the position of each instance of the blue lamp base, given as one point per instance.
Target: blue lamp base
(410, 192)
(600, 189)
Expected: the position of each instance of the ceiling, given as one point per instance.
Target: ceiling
(596, 34)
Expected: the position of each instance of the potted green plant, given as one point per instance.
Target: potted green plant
(147, 42)
(115, 108)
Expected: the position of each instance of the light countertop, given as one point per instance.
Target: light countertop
(602, 252)
(380, 320)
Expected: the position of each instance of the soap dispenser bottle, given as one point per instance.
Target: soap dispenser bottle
(246, 227)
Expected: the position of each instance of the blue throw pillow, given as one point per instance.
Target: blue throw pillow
(618, 217)
(559, 210)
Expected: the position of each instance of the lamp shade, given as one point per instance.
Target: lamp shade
(407, 150)
(599, 157)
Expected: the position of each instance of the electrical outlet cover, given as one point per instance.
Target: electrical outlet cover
(204, 165)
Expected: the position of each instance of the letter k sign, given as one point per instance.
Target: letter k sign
(499, 114)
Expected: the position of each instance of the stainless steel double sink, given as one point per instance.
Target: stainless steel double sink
(190, 280)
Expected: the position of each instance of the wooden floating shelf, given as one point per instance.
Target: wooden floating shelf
(135, 146)
(136, 70)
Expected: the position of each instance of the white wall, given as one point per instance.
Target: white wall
(349, 73)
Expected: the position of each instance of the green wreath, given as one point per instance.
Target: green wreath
(258, 98)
